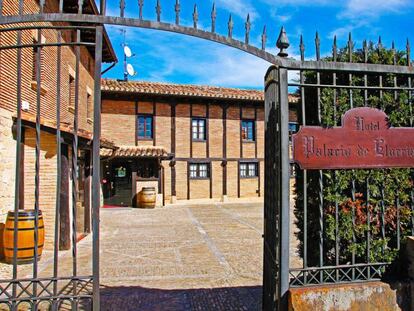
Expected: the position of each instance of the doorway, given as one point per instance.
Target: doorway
(118, 187)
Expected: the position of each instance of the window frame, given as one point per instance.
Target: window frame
(243, 121)
(71, 93)
(198, 120)
(247, 174)
(197, 170)
(89, 107)
(145, 137)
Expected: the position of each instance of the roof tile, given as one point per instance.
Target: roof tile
(143, 87)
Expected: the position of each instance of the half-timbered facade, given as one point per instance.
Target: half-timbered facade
(190, 142)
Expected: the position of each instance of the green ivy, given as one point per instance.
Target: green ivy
(347, 190)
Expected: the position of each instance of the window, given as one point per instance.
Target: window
(248, 130)
(248, 170)
(293, 127)
(89, 107)
(35, 52)
(199, 129)
(199, 170)
(144, 127)
(71, 93)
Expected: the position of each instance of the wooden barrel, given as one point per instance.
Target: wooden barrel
(25, 236)
(147, 197)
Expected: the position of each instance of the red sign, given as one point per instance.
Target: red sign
(365, 140)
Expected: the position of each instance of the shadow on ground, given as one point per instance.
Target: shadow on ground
(151, 299)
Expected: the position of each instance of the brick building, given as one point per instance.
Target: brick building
(47, 90)
(190, 142)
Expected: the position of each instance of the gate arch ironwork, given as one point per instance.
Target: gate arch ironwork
(277, 276)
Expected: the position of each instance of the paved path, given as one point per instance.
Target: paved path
(187, 257)
(205, 257)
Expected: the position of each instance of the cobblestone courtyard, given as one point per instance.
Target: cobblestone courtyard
(182, 257)
(206, 257)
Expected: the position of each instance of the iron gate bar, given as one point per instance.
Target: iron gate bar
(18, 162)
(351, 103)
(276, 213)
(96, 166)
(37, 161)
(284, 185)
(58, 170)
(75, 151)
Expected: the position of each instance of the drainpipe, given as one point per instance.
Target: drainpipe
(109, 68)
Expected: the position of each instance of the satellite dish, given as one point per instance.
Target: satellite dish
(127, 51)
(130, 70)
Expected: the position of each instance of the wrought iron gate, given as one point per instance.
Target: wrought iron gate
(320, 86)
(17, 17)
(64, 286)
(37, 291)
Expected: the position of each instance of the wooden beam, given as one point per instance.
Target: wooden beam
(241, 130)
(154, 128)
(255, 132)
(207, 131)
(173, 147)
(136, 123)
(188, 182)
(238, 180)
(191, 130)
(224, 150)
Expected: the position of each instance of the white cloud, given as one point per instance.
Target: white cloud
(162, 57)
(355, 9)
(238, 7)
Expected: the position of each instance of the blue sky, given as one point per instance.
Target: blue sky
(166, 57)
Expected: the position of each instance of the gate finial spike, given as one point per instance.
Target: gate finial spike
(213, 18)
(141, 5)
(408, 53)
(158, 10)
(350, 47)
(264, 38)
(282, 43)
(318, 46)
(122, 8)
(42, 5)
(195, 16)
(394, 52)
(247, 26)
(335, 50)
(230, 25)
(177, 12)
(365, 48)
(80, 6)
(302, 49)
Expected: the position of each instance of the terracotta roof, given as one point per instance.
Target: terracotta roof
(64, 127)
(156, 88)
(135, 151)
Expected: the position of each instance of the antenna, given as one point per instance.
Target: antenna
(128, 68)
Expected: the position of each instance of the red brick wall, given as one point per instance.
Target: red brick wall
(123, 114)
(48, 100)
